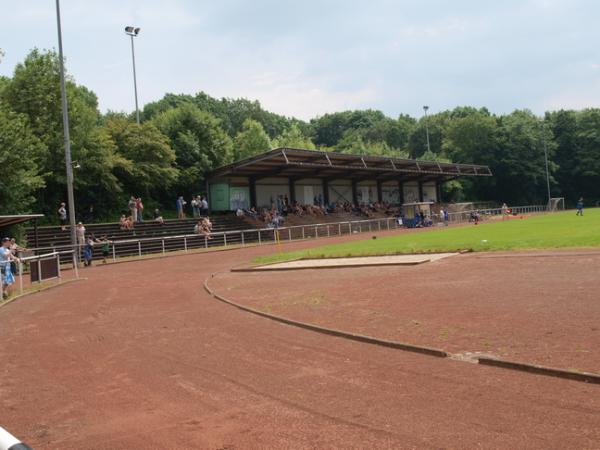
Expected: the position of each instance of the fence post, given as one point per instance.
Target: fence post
(243, 243)
(75, 265)
(224, 240)
(114, 253)
(316, 231)
(303, 236)
(185, 243)
(162, 241)
(21, 276)
(140, 248)
(339, 229)
(289, 234)
(328, 232)
(379, 224)
(388, 223)
(259, 242)
(205, 242)
(58, 267)
(39, 264)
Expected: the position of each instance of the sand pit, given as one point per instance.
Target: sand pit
(360, 261)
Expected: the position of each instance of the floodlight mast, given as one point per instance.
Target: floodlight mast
(67, 139)
(133, 32)
(426, 108)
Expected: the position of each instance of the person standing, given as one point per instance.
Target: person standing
(80, 233)
(16, 250)
(579, 207)
(132, 207)
(195, 208)
(180, 205)
(204, 206)
(62, 216)
(88, 251)
(139, 206)
(6, 257)
(105, 247)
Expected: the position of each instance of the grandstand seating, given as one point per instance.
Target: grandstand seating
(52, 237)
(169, 236)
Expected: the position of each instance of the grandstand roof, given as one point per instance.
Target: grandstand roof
(300, 163)
(6, 221)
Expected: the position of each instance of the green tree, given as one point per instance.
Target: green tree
(586, 171)
(149, 170)
(19, 149)
(251, 141)
(199, 142)
(34, 91)
(520, 167)
(294, 138)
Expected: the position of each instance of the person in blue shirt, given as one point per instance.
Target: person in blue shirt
(579, 207)
(6, 257)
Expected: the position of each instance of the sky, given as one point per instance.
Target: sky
(307, 58)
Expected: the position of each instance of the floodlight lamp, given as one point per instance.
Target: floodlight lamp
(129, 29)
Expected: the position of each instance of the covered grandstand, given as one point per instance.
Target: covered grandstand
(304, 176)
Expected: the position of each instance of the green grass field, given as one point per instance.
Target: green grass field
(558, 230)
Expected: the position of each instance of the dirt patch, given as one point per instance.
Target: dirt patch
(539, 310)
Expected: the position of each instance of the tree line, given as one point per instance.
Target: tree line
(181, 137)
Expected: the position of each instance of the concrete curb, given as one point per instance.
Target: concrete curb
(585, 377)
(265, 267)
(329, 331)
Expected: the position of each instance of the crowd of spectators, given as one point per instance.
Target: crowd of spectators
(281, 208)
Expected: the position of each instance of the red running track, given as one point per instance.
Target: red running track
(140, 357)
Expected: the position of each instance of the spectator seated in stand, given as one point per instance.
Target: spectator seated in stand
(204, 228)
(123, 222)
(158, 217)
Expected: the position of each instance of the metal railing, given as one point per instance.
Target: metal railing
(39, 259)
(241, 238)
(465, 216)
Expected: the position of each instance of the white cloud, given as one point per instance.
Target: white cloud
(295, 96)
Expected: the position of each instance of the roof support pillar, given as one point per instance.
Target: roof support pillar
(292, 185)
(379, 192)
(401, 192)
(252, 186)
(438, 190)
(421, 191)
(326, 191)
(354, 192)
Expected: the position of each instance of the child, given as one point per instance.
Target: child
(88, 250)
(105, 248)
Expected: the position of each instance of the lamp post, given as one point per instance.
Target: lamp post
(547, 171)
(67, 138)
(133, 32)
(425, 108)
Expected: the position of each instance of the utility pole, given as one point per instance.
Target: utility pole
(67, 137)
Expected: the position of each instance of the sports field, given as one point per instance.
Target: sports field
(558, 230)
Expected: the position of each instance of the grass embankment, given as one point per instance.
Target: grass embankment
(558, 230)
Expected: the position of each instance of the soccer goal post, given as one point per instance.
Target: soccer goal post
(556, 204)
